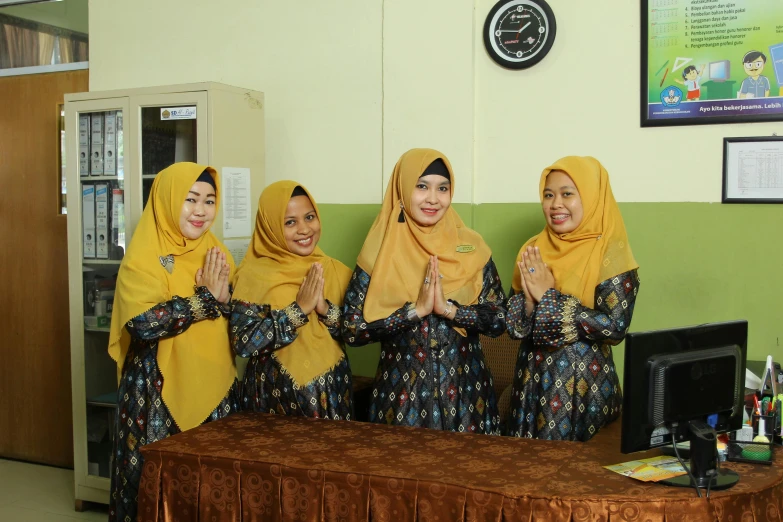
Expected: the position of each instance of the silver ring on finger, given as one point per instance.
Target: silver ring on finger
(531, 270)
(426, 280)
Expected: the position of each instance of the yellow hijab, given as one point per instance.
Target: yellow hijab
(396, 254)
(197, 365)
(271, 274)
(598, 248)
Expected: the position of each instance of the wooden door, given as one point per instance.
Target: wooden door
(35, 369)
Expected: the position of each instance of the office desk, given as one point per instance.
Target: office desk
(254, 466)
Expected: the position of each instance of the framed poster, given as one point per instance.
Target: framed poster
(711, 61)
(753, 170)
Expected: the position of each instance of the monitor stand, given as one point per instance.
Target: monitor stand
(704, 461)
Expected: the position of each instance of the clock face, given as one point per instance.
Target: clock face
(519, 33)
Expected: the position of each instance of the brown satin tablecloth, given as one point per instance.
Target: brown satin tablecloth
(254, 466)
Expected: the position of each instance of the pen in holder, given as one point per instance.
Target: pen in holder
(758, 451)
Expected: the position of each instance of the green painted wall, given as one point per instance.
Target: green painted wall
(700, 262)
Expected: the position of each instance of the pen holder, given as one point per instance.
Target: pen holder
(757, 451)
(763, 425)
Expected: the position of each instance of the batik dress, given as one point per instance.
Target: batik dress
(565, 384)
(142, 417)
(256, 332)
(428, 374)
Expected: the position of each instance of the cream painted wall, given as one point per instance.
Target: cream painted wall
(428, 80)
(318, 63)
(583, 99)
(350, 85)
(68, 14)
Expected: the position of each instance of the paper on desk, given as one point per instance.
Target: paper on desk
(752, 381)
(649, 470)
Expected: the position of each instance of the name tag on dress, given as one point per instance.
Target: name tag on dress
(464, 249)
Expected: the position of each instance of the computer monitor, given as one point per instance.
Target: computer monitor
(720, 71)
(685, 384)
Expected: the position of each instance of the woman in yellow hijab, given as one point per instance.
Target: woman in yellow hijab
(169, 330)
(574, 291)
(286, 312)
(425, 287)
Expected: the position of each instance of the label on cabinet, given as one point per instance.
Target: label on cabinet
(178, 113)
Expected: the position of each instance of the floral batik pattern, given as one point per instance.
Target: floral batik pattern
(565, 384)
(256, 331)
(142, 417)
(429, 375)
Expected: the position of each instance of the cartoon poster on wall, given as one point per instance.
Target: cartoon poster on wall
(711, 61)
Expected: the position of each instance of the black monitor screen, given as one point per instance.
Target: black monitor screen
(685, 374)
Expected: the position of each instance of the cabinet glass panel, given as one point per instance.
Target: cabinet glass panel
(102, 180)
(168, 135)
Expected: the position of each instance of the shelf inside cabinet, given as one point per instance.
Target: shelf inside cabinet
(85, 179)
(101, 261)
(96, 329)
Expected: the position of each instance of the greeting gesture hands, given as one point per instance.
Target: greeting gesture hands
(441, 305)
(214, 275)
(530, 304)
(426, 299)
(537, 278)
(311, 292)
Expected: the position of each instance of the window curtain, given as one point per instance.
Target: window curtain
(26, 43)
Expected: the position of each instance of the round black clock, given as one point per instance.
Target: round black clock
(519, 33)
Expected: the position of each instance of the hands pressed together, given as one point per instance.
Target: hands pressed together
(537, 278)
(215, 274)
(431, 298)
(311, 293)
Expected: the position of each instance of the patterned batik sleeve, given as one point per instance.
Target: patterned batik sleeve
(258, 330)
(175, 316)
(333, 320)
(560, 319)
(356, 331)
(488, 316)
(518, 323)
(225, 308)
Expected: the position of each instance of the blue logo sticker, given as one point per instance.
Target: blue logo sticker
(671, 96)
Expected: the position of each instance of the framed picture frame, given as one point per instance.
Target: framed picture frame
(753, 170)
(711, 62)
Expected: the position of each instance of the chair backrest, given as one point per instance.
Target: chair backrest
(500, 354)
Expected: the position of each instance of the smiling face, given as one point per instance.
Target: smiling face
(198, 211)
(562, 203)
(301, 226)
(430, 199)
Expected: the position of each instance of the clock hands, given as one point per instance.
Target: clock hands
(524, 27)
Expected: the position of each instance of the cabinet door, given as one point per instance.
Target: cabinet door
(168, 128)
(97, 174)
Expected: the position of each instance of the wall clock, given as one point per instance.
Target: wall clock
(519, 33)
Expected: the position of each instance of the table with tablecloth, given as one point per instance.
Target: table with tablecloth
(254, 466)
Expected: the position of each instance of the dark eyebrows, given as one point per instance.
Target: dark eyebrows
(197, 194)
(294, 217)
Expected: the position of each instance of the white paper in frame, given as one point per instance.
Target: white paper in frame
(753, 170)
